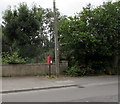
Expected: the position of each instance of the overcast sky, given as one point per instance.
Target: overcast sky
(66, 7)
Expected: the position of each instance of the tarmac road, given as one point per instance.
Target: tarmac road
(105, 91)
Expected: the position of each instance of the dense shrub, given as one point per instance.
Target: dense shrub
(79, 71)
(12, 59)
(91, 38)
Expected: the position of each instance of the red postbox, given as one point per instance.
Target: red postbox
(49, 60)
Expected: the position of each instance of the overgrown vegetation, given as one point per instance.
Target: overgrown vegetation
(26, 30)
(89, 41)
(91, 38)
(12, 59)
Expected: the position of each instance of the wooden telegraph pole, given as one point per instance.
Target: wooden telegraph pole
(56, 41)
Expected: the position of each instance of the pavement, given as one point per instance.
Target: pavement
(19, 84)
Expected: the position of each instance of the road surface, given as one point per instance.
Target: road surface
(98, 92)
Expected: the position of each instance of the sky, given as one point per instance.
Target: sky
(66, 7)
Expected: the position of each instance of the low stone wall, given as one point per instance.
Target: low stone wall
(31, 69)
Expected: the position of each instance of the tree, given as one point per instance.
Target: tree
(29, 31)
(91, 37)
(23, 30)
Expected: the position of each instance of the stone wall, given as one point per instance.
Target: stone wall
(30, 69)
